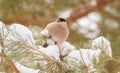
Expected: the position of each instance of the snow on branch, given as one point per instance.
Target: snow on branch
(103, 44)
(20, 39)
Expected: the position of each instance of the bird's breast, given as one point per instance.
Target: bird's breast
(59, 33)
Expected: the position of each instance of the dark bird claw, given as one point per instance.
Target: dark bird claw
(45, 45)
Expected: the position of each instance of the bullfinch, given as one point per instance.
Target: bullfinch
(57, 31)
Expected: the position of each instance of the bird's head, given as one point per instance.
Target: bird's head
(61, 20)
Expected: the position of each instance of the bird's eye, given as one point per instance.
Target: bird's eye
(61, 20)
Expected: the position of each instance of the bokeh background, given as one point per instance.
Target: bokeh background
(87, 19)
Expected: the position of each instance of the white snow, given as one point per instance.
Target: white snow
(84, 56)
(103, 44)
(24, 69)
(88, 25)
(3, 30)
(20, 33)
(94, 17)
(52, 51)
(87, 56)
(67, 48)
(1, 24)
(3, 33)
(0, 49)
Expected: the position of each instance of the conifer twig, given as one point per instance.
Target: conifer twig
(5, 57)
(10, 63)
(41, 53)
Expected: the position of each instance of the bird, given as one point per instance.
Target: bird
(57, 31)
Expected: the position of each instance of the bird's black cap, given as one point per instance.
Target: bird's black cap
(61, 20)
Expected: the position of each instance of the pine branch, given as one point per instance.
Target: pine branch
(10, 63)
(41, 53)
(6, 58)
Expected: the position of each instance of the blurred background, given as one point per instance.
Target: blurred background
(87, 19)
